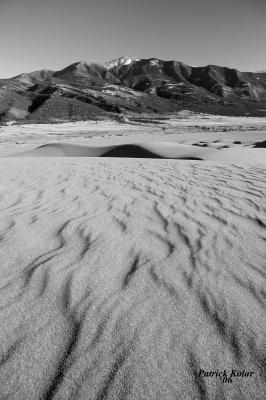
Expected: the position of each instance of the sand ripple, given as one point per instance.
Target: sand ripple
(122, 279)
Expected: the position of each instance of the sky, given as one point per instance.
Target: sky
(51, 34)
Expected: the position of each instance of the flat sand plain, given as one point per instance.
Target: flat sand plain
(185, 128)
(124, 278)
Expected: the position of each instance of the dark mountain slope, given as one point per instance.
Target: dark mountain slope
(155, 75)
(89, 74)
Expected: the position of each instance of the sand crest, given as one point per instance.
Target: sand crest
(150, 149)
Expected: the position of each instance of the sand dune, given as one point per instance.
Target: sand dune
(133, 150)
(150, 149)
(122, 279)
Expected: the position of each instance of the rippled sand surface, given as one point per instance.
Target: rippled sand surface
(122, 279)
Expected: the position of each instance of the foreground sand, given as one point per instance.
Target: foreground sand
(122, 279)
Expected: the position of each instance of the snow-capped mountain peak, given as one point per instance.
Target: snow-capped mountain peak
(120, 61)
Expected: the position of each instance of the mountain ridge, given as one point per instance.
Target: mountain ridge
(85, 90)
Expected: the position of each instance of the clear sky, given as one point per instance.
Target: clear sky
(37, 34)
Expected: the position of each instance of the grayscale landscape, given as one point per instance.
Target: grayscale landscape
(132, 200)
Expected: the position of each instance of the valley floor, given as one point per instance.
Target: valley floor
(125, 278)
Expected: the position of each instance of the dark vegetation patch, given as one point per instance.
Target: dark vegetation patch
(200, 144)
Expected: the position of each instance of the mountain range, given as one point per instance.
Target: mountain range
(130, 85)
